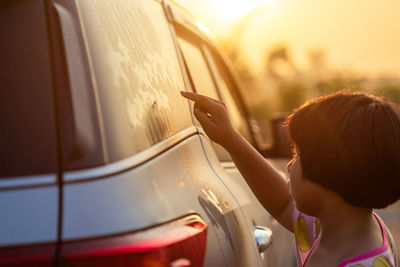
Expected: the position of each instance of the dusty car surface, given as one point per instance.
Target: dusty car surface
(102, 161)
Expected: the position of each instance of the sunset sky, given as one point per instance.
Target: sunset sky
(358, 34)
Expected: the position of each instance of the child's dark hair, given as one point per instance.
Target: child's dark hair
(350, 143)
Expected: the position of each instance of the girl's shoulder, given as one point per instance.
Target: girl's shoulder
(384, 255)
(307, 231)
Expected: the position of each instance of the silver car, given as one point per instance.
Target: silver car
(102, 162)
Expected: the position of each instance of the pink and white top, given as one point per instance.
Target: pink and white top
(307, 232)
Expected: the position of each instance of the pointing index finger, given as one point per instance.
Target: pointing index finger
(206, 103)
(194, 97)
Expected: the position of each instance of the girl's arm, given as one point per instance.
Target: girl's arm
(270, 188)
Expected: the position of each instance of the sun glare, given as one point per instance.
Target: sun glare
(202, 27)
(235, 9)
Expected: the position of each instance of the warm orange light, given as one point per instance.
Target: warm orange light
(181, 184)
(234, 9)
(202, 27)
(343, 30)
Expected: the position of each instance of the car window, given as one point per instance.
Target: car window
(27, 139)
(202, 79)
(227, 90)
(197, 65)
(137, 73)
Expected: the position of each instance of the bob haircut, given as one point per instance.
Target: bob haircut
(349, 143)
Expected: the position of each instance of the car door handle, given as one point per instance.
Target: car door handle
(263, 237)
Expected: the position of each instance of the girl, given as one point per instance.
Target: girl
(346, 163)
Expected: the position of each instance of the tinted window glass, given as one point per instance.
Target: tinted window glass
(197, 65)
(227, 90)
(202, 79)
(27, 138)
(137, 73)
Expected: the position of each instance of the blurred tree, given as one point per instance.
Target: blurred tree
(283, 86)
(291, 95)
(279, 63)
(338, 83)
(391, 91)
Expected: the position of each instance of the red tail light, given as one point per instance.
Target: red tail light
(176, 244)
(30, 256)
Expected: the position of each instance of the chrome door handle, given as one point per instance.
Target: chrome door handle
(263, 237)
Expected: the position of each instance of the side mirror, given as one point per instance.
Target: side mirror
(280, 147)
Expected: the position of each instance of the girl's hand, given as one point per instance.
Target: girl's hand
(213, 117)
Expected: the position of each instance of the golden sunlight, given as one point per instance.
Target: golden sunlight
(234, 9)
(202, 27)
(353, 35)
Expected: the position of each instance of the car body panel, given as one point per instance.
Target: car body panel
(121, 203)
(254, 212)
(28, 215)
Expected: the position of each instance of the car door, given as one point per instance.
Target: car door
(210, 76)
(281, 250)
(203, 81)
